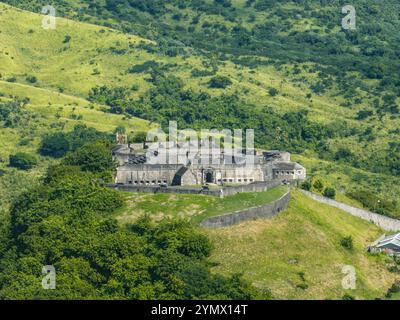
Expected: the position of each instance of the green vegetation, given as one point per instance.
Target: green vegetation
(373, 202)
(305, 50)
(303, 240)
(95, 157)
(347, 242)
(23, 161)
(284, 68)
(330, 193)
(58, 144)
(350, 181)
(299, 57)
(67, 222)
(219, 82)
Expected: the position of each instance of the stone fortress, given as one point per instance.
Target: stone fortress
(135, 168)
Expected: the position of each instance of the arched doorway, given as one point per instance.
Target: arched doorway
(209, 177)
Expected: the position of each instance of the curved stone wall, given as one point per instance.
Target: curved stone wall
(265, 211)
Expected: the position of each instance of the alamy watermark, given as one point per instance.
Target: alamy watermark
(349, 280)
(204, 147)
(49, 280)
(49, 21)
(349, 21)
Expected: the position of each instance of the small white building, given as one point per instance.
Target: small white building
(387, 244)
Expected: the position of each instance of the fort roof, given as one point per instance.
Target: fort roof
(287, 166)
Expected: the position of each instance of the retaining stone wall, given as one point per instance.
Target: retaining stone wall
(226, 191)
(264, 211)
(386, 223)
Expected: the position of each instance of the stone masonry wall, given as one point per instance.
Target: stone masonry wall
(226, 191)
(264, 211)
(385, 223)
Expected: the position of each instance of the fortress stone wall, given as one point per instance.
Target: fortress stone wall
(264, 211)
(219, 192)
(381, 221)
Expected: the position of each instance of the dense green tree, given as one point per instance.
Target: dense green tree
(55, 145)
(58, 144)
(220, 82)
(95, 157)
(23, 161)
(68, 222)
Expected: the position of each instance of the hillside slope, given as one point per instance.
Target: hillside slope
(76, 57)
(303, 242)
(295, 255)
(250, 64)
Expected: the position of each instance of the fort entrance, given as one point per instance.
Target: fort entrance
(209, 176)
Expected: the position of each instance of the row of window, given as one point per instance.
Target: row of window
(236, 180)
(147, 182)
(286, 172)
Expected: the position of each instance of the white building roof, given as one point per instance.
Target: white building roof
(393, 239)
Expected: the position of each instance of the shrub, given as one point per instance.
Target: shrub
(23, 161)
(343, 153)
(302, 286)
(219, 82)
(139, 137)
(67, 39)
(395, 288)
(58, 144)
(347, 242)
(318, 185)
(347, 296)
(373, 202)
(31, 79)
(224, 3)
(144, 67)
(306, 185)
(330, 193)
(272, 92)
(202, 73)
(363, 114)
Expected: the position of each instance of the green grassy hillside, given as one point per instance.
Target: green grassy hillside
(276, 254)
(304, 239)
(65, 71)
(29, 50)
(284, 69)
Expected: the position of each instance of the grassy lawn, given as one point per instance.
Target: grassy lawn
(303, 241)
(195, 207)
